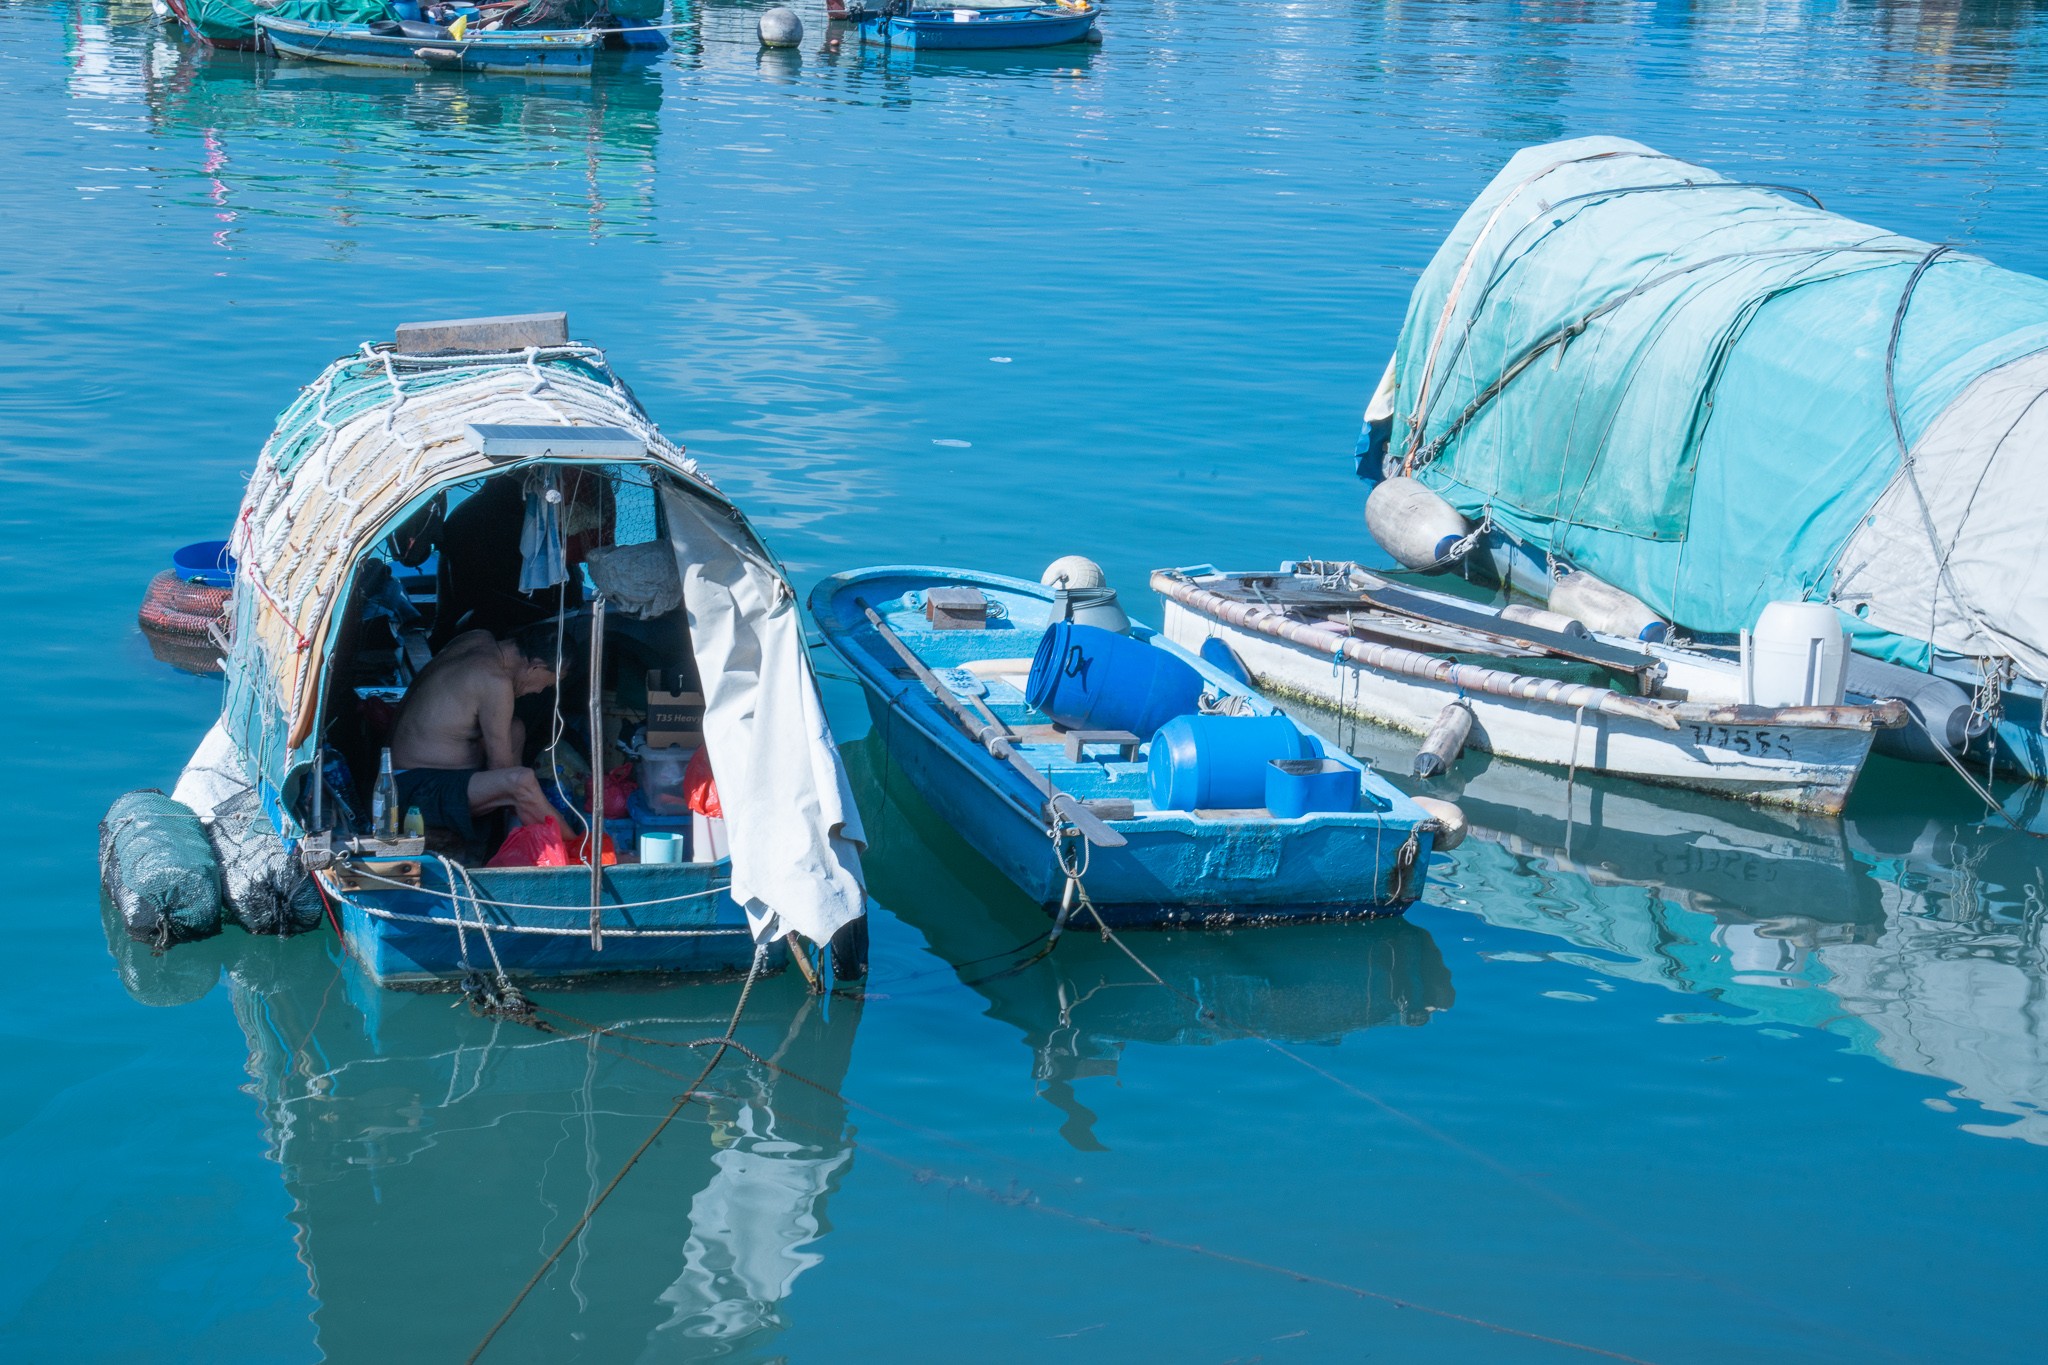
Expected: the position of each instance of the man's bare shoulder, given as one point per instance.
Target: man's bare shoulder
(469, 642)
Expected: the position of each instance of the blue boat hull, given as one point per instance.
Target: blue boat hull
(536, 924)
(568, 52)
(1175, 868)
(989, 30)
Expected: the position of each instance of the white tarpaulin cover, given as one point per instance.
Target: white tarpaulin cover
(1953, 552)
(791, 827)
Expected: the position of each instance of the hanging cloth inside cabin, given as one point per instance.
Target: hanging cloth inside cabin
(541, 561)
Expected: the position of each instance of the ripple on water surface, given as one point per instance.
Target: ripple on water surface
(1644, 1073)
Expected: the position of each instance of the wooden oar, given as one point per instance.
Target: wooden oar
(1091, 826)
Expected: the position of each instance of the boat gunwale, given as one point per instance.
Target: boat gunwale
(516, 40)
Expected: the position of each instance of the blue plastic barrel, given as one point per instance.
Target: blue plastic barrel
(1220, 762)
(1309, 786)
(207, 562)
(1088, 678)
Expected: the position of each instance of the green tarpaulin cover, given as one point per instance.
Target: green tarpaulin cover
(1679, 382)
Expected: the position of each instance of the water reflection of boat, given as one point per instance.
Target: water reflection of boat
(580, 152)
(432, 1157)
(1920, 940)
(1081, 1007)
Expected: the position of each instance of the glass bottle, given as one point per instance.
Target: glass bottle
(384, 801)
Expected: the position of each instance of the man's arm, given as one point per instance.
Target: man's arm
(494, 723)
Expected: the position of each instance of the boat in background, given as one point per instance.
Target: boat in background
(1521, 684)
(238, 23)
(1176, 814)
(1717, 396)
(976, 29)
(406, 45)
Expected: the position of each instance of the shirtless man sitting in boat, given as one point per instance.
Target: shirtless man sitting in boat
(456, 746)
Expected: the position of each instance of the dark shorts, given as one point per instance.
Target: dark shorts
(442, 794)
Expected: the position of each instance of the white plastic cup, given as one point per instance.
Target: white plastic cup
(657, 846)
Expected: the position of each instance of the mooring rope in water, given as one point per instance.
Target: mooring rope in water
(1020, 1198)
(1210, 1014)
(722, 1044)
(1991, 802)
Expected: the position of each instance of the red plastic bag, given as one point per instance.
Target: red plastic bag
(700, 789)
(544, 846)
(618, 791)
(532, 846)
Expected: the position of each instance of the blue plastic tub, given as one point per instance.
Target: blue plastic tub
(647, 820)
(1220, 762)
(1088, 678)
(206, 562)
(1309, 786)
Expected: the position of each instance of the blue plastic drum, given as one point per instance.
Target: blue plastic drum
(206, 562)
(1220, 762)
(1088, 678)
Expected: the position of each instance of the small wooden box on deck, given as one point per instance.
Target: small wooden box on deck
(376, 874)
(374, 864)
(956, 609)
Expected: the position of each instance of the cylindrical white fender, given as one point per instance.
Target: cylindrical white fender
(1543, 620)
(1445, 741)
(1411, 523)
(1446, 814)
(1605, 609)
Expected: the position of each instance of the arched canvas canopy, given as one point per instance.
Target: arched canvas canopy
(380, 433)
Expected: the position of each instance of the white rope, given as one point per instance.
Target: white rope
(480, 899)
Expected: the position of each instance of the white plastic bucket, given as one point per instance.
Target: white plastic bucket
(707, 838)
(1798, 656)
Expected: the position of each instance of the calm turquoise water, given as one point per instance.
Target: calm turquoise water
(1663, 1078)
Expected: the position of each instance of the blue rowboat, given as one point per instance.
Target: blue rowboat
(951, 704)
(538, 52)
(959, 30)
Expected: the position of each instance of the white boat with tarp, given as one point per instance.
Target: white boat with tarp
(494, 476)
(1715, 395)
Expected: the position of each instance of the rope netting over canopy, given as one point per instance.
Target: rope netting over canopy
(1717, 394)
(374, 437)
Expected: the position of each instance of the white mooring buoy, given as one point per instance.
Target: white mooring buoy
(1450, 821)
(1073, 571)
(780, 27)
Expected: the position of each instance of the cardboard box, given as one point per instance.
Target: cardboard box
(673, 718)
(956, 609)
